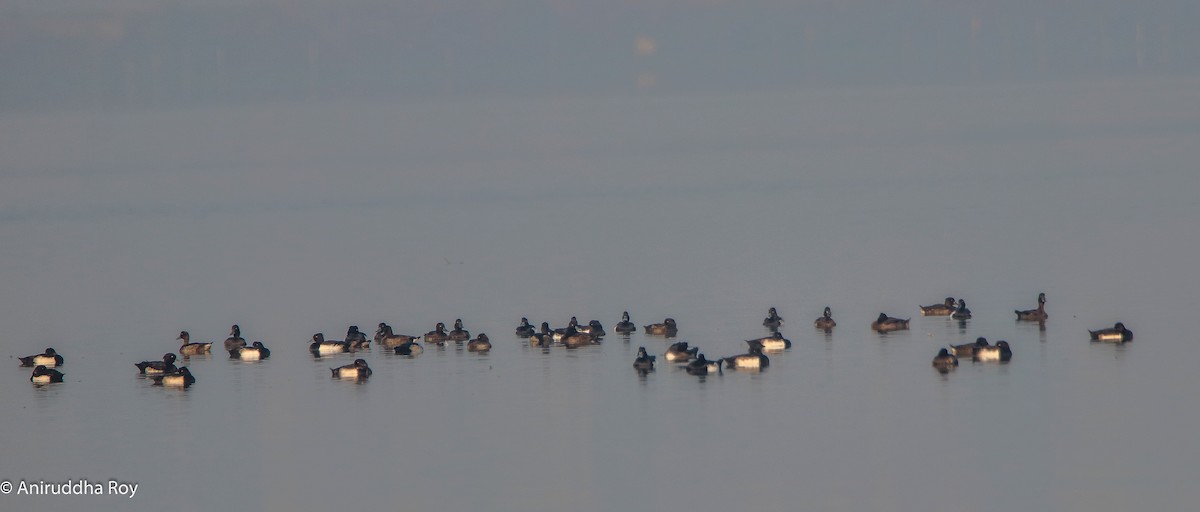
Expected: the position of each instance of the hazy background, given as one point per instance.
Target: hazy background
(64, 54)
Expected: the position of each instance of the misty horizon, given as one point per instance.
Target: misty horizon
(158, 53)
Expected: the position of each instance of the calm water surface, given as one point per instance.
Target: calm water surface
(121, 229)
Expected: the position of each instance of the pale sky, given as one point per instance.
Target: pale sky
(162, 52)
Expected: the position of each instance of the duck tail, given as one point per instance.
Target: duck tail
(27, 361)
(334, 371)
(141, 367)
(234, 353)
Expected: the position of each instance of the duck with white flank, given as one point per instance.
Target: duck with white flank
(702, 366)
(254, 352)
(356, 370)
(49, 359)
(43, 375)
(321, 347)
(1116, 334)
(180, 378)
(679, 351)
(772, 343)
(998, 352)
(752, 360)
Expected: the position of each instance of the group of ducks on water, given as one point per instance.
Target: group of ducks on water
(574, 335)
(981, 350)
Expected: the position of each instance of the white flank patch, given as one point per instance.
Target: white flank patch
(983, 354)
(330, 348)
(774, 344)
(747, 362)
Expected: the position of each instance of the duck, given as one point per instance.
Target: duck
(49, 359)
(437, 335)
(459, 335)
(167, 365)
(968, 349)
(379, 333)
(680, 352)
(944, 361)
(961, 312)
(593, 327)
(946, 308)
(525, 330)
(1117, 333)
(320, 346)
(481, 343)
(667, 328)
(998, 352)
(825, 321)
(254, 352)
(773, 321)
(1035, 315)
(356, 370)
(180, 378)
(775, 341)
(702, 366)
(644, 360)
(887, 324)
(752, 360)
(193, 349)
(43, 375)
(235, 339)
(545, 338)
(562, 331)
(625, 326)
(575, 339)
(357, 339)
(388, 339)
(410, 348)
